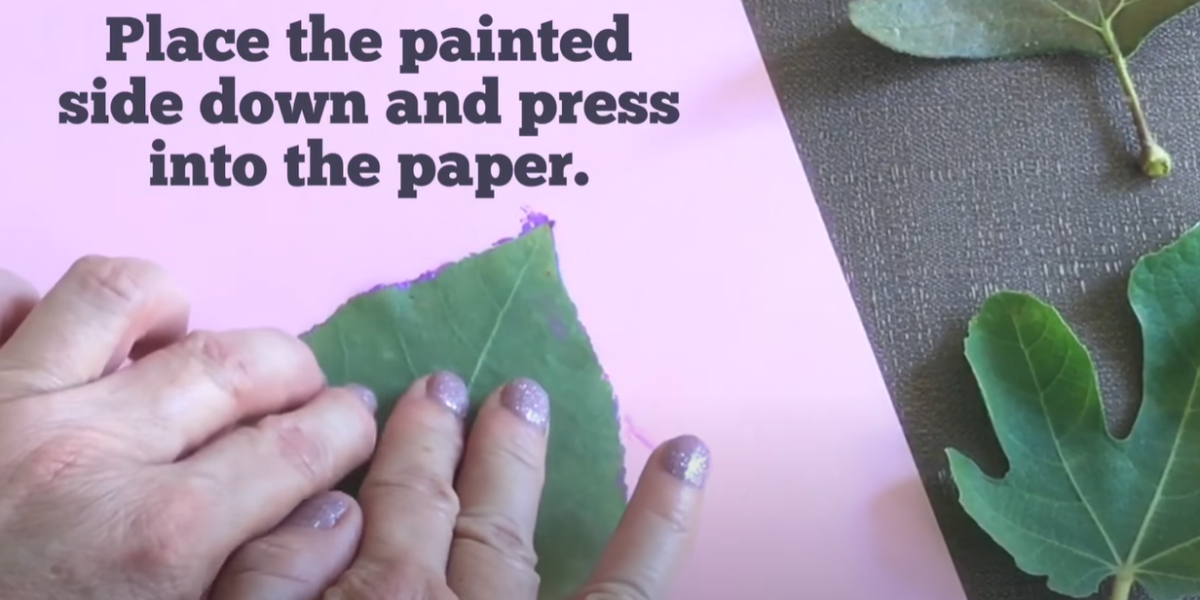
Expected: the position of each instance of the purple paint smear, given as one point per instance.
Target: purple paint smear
(557, 328)
(637, 434)
(530, 222)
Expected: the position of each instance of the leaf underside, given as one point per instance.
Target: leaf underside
(492, 318)
(983, 29)
(1078, 505)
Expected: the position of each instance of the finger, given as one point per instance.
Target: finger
(17, 298)
(298, 559)
(89, 322)
(183, 395)
(500, 486)
(256, 474)
(408, 494)
(654, 536)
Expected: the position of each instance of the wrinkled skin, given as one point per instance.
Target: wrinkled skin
(142, 461)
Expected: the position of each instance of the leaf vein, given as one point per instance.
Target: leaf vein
(1050, 541)
(1058, 448)
(1048, 499)
(441, 295)
(500, 316)
(487, 291)
(341, 338)
(1075, 17)
(407, 353)
(1028, 451)
(1170, 464)
(1169, 575)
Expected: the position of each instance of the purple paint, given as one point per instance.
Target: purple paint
(530, 222)
(557, 328)
(533, 220)
(404, 285)
(638, 434)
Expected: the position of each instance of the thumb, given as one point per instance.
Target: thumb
(298, 559)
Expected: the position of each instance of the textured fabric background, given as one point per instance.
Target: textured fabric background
(942, 182)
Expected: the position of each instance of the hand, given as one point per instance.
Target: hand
(438, 531)
(138, 483)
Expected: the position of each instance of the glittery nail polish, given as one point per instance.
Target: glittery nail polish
(449, 389)
(687, 458)
(365, 395)
(526, 399)
(319, 512)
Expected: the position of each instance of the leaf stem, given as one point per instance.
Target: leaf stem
(1156, 162)
(1122, 586)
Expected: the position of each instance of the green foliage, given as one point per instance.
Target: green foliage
(1078, 505)
(985, 29)
(491, 318)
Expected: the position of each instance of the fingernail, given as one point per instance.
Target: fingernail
(319, 512)
(449, 389)
(365, 395)
(526, 399)
(687, 458)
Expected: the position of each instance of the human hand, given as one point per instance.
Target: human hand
(138, 483)
(436, 530)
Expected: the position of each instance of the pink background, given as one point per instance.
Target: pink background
(696, 256)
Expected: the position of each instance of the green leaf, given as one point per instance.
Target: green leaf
(491, 318)
(982, 29)
(1012, 28)
(1078, 505)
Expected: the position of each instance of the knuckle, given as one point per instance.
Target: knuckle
(351, 406)
(299, 448)
(366, 581)
(114, 282)
(365, 433)
(20, 378)
(415, 485)
(675, 519)
(273, 558)
(614, 590)
(499, 533)
(25, 377)
(298, 353)
(218, 359)
(49, 462)
(518, 453)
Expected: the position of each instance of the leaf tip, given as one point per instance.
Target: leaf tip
(1003, 302)
(533, 220)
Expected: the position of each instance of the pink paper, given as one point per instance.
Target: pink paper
(696, 255)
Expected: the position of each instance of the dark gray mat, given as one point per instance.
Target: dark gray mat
(942, 182)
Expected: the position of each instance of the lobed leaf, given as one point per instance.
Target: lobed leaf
(1078, 505)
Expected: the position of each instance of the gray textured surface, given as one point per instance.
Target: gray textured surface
(942, 182)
